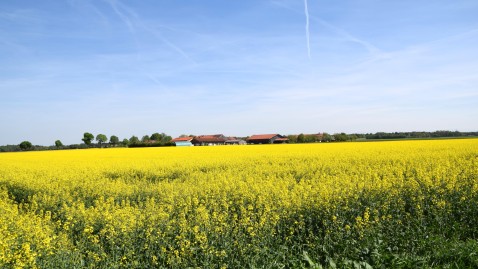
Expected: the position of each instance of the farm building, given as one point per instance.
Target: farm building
(234, 141)
(183, 141)
(267, 139)
(209, 140)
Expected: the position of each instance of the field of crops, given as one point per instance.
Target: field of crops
(397, 204)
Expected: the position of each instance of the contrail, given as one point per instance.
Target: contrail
(122, 16)
(341, 32)
(131, 19)
(307, 34)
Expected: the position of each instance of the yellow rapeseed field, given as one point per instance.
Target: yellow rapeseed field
(397, 204)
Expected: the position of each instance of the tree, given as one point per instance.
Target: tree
(58, 144)
(134, 140)
(145, 139)
(26, 145)
(156, 136)
(100, 138)
(125, 142)
(341, 137)
(114, 140)
(87, 138)
(166, 139)
(311, 138)
(292, 139)
(301, 138)
(326, 137)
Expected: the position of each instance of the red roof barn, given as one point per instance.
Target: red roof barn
(267, 139)
(182, 141)
(209, 140)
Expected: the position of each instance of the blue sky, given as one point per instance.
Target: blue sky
(245, 67)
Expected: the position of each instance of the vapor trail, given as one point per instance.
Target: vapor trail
(307, 34)
(122, 16)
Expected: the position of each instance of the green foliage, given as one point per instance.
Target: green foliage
(150, 144)
(156, 140)
(341, 137)
(161, 138)
(58, 144)
(306, 138)
(101, 138)
(78, 146)
(87, 138)
(114, 140)
(133, 140)
(10, 148)
(26, 145)
(145, 139)
(418, 135)
(301, 138)
(156, 137)
(326, 137)
(125, 142)
(166, 139)
(292, 139)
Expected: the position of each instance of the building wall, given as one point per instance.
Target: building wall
(183, 144)
(260, 141)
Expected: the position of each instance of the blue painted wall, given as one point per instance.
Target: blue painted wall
(183, 144)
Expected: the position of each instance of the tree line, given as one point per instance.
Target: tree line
(342, 137)
(406, 135)
(162, 139)
(155, 140)
(322, 137)
(102, 141)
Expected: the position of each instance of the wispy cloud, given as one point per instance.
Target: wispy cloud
(86, 5)
(373, 50)
(133, 21)
(125, 17)
(307, 31)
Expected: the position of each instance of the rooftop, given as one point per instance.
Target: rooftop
(182, 139)
(262, 136)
